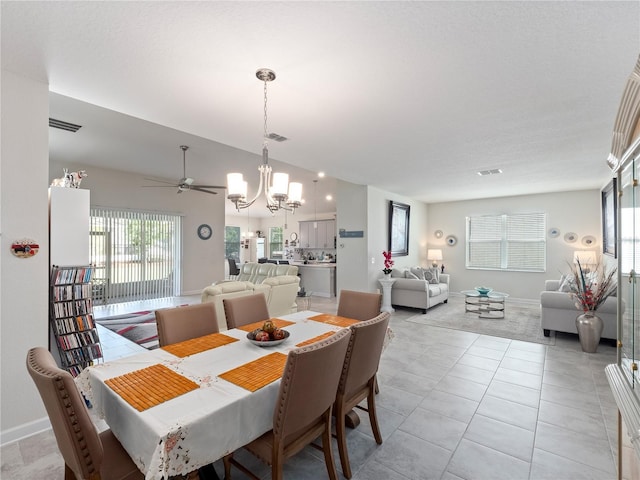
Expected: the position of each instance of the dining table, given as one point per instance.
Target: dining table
(183, 406)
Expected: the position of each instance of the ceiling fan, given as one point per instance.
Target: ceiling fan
(185, 183)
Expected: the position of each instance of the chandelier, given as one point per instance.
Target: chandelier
(280, 194)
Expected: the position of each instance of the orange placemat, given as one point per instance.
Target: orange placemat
(333, 320)
(150, 386)
(255, 375)
(315, 339)
(278, 322)
(197, 345)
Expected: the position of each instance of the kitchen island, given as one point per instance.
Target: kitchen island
(318, 278)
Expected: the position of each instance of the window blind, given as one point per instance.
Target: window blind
(136, 254)
(507, 242)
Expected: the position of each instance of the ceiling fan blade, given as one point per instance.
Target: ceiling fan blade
(171, 185)
(159, 181)
(208, 186)
(197, 189)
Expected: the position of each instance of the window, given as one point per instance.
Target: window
(507, 242)
(275, 242)
(232, 243)
(136, 254)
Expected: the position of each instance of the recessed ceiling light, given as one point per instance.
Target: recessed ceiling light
(329, 197)
(493, 171)
(321, 174)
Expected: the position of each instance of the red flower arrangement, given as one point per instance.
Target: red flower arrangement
(388, 263)
(591, 288)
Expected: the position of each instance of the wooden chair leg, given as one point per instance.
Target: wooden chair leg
(227, 466)
(341, 437)
(326, 447)
(68, 473)
(373, 416)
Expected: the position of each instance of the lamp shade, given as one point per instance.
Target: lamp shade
(585, 257)
(235, 184)
(434, 254)
(280, 184)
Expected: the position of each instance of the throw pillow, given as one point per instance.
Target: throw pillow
(418, 272)
(409, 274)
(431, 275)
(436, 272)
(565, 283)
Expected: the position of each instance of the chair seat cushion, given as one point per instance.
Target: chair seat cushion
(117, 463)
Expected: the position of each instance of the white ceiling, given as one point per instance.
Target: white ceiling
(409, 97)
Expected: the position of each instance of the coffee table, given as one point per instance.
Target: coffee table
(490, 305)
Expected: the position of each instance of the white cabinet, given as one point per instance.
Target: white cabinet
(307, 235)
(321, 236)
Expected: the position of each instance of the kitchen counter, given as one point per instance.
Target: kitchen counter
(314, 264)
(318, 278)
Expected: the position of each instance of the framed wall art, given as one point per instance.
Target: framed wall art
(609, 212)
(398, 229)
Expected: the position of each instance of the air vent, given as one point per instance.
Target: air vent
(277, 138)
(69, 127)
(494, 171)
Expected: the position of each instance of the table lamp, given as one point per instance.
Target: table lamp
(435, 255)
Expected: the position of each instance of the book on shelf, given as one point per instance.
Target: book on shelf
(71, 317)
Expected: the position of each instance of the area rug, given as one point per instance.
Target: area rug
(139, 327)
(521, 322)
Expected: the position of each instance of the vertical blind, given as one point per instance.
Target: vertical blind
(507, 242)
(136, 254)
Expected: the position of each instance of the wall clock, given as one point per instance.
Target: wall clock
(204, 231)
(451, 240)
(294, 236)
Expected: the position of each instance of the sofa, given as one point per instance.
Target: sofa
(278, 283)
(412, 289)
(558, 311)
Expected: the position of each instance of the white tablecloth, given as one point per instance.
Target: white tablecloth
(203, 425)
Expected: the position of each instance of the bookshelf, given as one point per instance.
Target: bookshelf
(71, 317)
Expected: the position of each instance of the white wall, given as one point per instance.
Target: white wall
(203, 260)
(578, 212)
(378, 214)
(23, 282)
(360, 260)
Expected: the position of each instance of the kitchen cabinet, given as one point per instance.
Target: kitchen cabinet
(321, 236)
(307, 235)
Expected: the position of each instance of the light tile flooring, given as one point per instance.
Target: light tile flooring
(452, 405)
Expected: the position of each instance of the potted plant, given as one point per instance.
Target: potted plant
(590, 288)
(388, 264)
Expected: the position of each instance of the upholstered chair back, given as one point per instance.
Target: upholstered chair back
(244, 310)
(359, 305)
(184, 323)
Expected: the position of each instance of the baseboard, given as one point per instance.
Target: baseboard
(26, 430)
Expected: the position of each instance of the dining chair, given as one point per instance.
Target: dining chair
(241, 311)
(303, 408)
(359, 305)
(234, 270)
(358, 380)
(184, 323)
(87, 454)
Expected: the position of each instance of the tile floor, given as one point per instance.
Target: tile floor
(452, 405)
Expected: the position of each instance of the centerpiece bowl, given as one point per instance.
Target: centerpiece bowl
(272, 342)
(484, 290)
